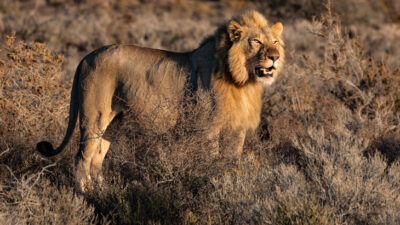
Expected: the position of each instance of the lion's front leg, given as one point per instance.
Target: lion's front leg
(239, 138)
(213, 137)
(214, 144)
(233, 149)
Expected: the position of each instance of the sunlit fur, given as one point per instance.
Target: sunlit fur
(151, 83)
(240, 87)
(253, 25)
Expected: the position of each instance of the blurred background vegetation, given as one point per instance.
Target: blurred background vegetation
(327, 151)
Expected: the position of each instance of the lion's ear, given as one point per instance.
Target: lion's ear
(277, 28)
(234, 30)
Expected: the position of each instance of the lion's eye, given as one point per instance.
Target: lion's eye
(257, 41)
(275, 42)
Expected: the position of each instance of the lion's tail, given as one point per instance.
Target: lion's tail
(46, 148)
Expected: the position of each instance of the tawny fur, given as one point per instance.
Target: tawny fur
(236, 63)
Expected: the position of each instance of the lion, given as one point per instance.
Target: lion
(241, 58)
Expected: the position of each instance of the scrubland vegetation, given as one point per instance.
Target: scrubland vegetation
(327, 151)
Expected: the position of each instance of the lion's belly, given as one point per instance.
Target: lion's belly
(154, 96)
(155, 112)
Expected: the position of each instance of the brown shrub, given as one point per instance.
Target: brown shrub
(33, 103)
(32, 199)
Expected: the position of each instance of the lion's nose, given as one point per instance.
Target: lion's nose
(273, 57)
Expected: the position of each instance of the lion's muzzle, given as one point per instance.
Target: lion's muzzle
(268, 62)
(265, 72)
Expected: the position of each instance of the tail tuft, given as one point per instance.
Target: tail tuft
(46, 148)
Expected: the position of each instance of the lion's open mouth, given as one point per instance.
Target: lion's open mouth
(264, 72)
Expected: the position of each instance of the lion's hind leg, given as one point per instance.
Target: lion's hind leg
(93, 147)
(97, 161)
(88, 147)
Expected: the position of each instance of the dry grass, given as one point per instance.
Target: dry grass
(32, 199)
(327, 151)
(33, 100)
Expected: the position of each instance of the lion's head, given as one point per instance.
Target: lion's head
(256, 53)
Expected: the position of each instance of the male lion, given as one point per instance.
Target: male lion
(235, 63)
